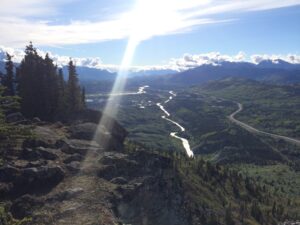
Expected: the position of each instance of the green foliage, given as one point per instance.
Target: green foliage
(272, 108)
(8, 79)
(42, 89)
(228, 216)
(209, 192)
(7, 219)
(74, 94)
(9, 133)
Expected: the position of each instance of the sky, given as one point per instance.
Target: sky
(169, 33)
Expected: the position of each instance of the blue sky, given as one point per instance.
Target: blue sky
(165, 29)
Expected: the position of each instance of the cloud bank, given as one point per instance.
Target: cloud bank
(187, 61)
(21, 21)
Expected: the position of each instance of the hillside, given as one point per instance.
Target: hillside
(58, 176)
(283, 73)
(273, 108)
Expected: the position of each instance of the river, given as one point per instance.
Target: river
(185, 142)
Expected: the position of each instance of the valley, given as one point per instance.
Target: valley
(214, 126)
(175, 155)
(150, 112)
(252, 129)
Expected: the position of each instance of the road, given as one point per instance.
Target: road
(254, 130)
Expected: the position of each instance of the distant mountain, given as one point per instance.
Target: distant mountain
(274, 71)
(278, 64)
(281, 72)
(151, 72)
(2, 66)
(91, 74)
(84, 73)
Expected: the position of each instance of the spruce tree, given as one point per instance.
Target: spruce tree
(37, 85)
(228, 216)
(61, 108)
(50, 88)
(73, 90)
(8, 78)
(43, 90)
(83, 97)
(28, 84)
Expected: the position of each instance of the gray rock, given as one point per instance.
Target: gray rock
(8, 173)
(38, 153)
(81, 147)
(66, 195)
(75, 146)
(36, 120)
(76, 157)
(31, 180)
(15, 117)
(46, 137)
(30, 154)
(47, 153)
(73, 167)
(24, 206)
(83, 131)
(103, 136)
(119, 180)
(117, 165)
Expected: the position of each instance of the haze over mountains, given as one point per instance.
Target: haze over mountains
(191, 71)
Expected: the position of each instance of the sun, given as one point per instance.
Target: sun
(150, 18)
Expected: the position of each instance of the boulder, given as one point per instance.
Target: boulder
(30, 180)
(9, 173)
(24, 206)
(116, 165)
(76, 157)
(47, 153)
(35, 180)
(30, 154)
(15, 117)
(109, 136)
(84, 131)
(43, 173)
(73, 167)
(119, 180)
(37, 163)
(38, 153)
(66, 195)
(46, 137)
(36, 120)
(33, 143)
(75, 147)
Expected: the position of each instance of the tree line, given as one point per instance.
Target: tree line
(41, 86)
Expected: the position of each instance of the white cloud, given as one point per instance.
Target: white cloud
(187, 61)
(21, 21)
(213, 58)
(291, 58)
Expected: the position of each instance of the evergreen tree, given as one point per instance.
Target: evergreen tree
(73, 90)
(51, 88)
(8, 78)
(256, 211)
(83, 97)
(37, 85)
(61, 108)
(8, 132)
(43, 90)
(228, 216)
(28, 82)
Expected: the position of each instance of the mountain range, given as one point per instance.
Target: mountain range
(274, 71)
(269, 71)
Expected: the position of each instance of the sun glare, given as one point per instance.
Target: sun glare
(146, 19)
